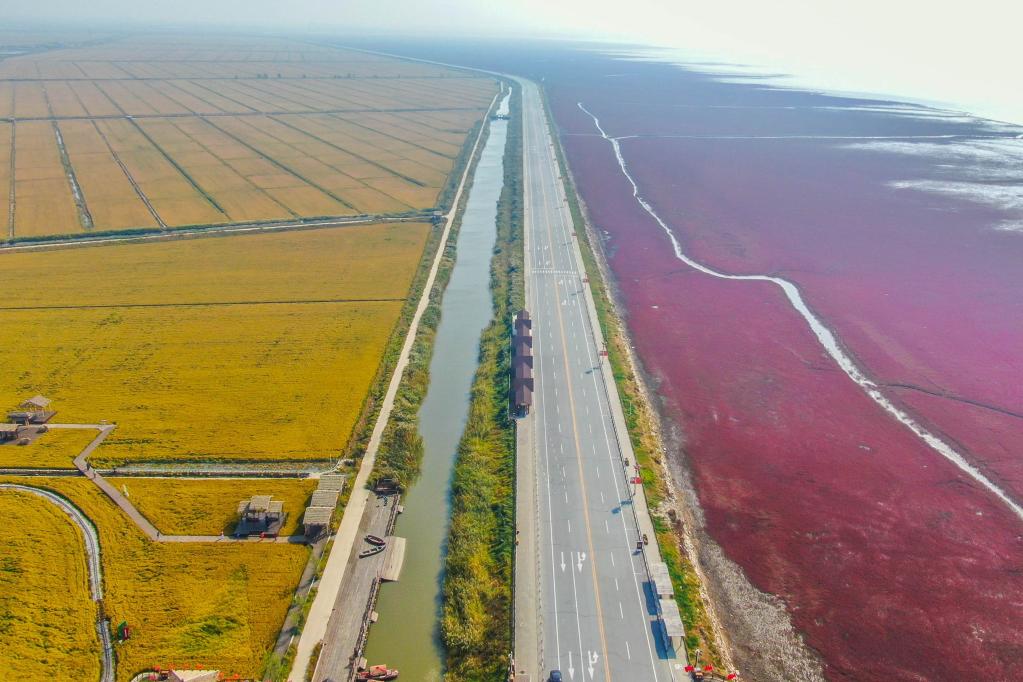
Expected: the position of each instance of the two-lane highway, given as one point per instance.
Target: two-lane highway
(597, 619)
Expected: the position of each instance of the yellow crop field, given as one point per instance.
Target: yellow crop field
(175, 199)
(55, 449)
(240, 199)
(47, 618)
(63, 101)
(6, 99)
(220, 605)
(179, 506)
(204, 131)
(5, 177)
(43, 203)
(237, 382)
(113, 202)
(125, 100)
(93, 99)
(284, 355)
(374, 261)
(30, 101)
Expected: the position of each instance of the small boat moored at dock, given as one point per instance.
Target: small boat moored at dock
(375, 540)
(377, 672)
(370, 552)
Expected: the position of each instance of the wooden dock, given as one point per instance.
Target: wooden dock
(394, 557)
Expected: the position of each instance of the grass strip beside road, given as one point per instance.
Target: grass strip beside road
(477, 618)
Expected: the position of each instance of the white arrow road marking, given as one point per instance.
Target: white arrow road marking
(571, 670)
(591, 657)
(580, 558)
(562, 562)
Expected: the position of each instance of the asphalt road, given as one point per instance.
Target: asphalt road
(598, 617)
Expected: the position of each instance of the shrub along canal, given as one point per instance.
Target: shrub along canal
(407, 636)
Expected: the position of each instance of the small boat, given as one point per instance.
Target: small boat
(370, 552)
(375, 540)
(377, 672)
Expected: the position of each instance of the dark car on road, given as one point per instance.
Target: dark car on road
(555, 676)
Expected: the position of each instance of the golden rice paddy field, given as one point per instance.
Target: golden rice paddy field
(56, 449)
(174, 132)
(178, 506)
(214, 605)
(254, 347)
(42, 554)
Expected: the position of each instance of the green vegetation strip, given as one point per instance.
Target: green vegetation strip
(643, 433)
(477, 620)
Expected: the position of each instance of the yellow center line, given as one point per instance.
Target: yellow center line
(578, 447)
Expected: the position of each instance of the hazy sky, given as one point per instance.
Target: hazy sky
(968, 53)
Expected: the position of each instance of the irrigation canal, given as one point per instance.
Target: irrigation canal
(407, 635)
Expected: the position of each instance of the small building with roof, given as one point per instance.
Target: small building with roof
(316, 521)
(9, 432)
(523, 324)
(36, 403)
(260, 515)
(331, 482)
(671, 623)
(661, 579)
(324, 498)
(35, 410)
(523, 397)
(522, 364)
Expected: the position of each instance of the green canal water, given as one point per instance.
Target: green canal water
(407, 634)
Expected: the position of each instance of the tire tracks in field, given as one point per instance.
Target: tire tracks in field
(825, 336)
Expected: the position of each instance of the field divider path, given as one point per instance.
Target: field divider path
(84, 216)
(220, 228)
(93, 563)
(330, 584)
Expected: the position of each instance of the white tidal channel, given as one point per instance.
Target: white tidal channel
(824, 335)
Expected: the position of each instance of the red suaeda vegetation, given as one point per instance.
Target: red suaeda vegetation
(893, 562)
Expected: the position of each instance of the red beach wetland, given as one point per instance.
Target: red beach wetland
(893, 562)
